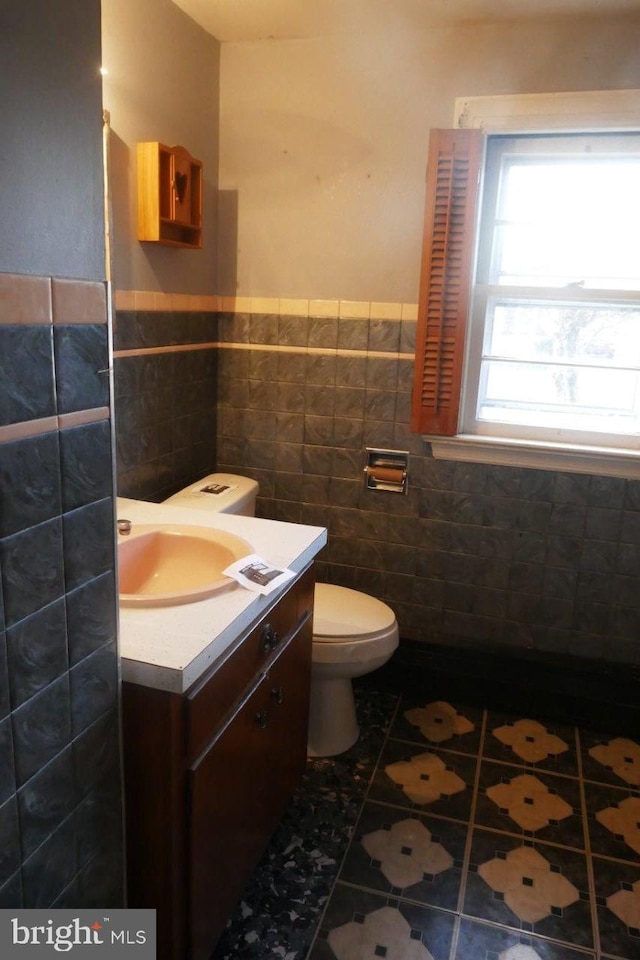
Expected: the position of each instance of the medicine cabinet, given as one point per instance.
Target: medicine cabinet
(169, 196)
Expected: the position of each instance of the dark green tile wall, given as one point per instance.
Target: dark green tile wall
(488, 557)
(477, 556)
(60, 790)
(166, 411)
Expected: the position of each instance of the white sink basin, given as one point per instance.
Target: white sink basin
(167, 564)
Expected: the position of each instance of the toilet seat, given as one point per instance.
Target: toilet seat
(359, 650)
(341, 615)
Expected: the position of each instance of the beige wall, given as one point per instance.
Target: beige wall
(162, 84)
(323, 142)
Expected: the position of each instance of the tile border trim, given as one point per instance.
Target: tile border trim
(262, 348)
(149, 300)
(170, 348)
(42, 301)
(26, 429)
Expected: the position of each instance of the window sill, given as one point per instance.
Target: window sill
(608, 462)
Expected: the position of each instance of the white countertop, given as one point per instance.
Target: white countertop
(169, 648)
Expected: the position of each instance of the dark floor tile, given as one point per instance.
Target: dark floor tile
(617, 888)
(532, 803)
(407, 855)
(439, 724)
(531, 887)
(532, 743)
(285, 898)
(478, 940)
(608, 759)
(359, 925)
(613, 816)
(429, 780)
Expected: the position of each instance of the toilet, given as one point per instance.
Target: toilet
(353, 633)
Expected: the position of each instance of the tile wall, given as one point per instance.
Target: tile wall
(60, 801)
(507, 559)
(165, 367)
(514, 559)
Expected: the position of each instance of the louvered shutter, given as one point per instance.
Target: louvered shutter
(453, 172)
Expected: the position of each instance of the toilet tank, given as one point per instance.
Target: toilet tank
(220, 493)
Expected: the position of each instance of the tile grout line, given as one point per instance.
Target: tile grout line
(587, 848)
(592, 951)
(466, 859)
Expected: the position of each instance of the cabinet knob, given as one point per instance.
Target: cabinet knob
(278, 694)
(269, 639)
(262, 718)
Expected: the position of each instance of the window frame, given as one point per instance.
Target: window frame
(591, 112)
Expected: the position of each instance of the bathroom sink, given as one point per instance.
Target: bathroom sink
(168, 564)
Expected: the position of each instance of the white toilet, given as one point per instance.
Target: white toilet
(353, 633)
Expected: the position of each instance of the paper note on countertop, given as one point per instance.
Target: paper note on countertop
(256, 574)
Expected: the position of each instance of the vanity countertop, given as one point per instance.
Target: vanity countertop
(169, 648)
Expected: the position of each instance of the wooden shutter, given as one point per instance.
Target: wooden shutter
(453, 172)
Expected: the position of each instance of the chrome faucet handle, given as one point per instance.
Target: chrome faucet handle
(124, 527)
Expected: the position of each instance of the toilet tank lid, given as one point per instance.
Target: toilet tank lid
(222, 492)
(341, 612)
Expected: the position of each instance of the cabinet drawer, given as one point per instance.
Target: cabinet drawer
(212, 698)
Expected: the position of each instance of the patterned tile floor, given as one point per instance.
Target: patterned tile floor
(452, 833)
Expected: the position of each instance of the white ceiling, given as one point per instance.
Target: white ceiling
(238, 20)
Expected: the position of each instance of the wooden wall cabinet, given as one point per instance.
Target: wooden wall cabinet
(169, 196)
(208, 775)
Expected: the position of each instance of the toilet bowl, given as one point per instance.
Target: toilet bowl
(353, 634)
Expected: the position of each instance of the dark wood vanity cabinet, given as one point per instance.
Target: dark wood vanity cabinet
(208, 775)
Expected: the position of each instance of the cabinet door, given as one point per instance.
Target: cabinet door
(239, 788)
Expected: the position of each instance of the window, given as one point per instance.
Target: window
(555, 335)
(551, 354)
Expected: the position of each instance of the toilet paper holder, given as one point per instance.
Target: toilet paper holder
(386, 470)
